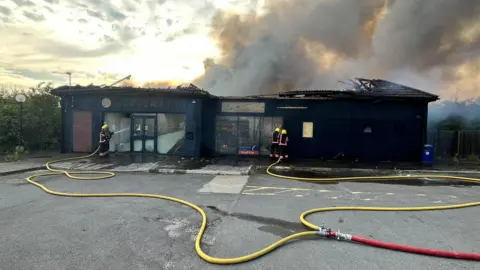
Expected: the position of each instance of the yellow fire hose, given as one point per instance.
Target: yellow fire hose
(77, 175)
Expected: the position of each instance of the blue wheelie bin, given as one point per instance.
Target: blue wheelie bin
(428, 155)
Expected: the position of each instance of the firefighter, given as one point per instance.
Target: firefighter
(105, 136)
(274, 145)
(283, 144)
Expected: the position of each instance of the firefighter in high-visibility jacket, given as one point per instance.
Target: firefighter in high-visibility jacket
(283, 144)
(105, 136)
(274, 151)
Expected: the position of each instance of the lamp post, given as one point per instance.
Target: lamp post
(69, 77)
(20, 98)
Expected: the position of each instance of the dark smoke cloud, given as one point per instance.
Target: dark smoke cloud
(264, 54)
(424, 34)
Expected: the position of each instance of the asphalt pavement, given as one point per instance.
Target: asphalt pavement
(246, 213)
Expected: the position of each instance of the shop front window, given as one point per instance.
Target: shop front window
(171, 133)
(269, 125)
(120, 124)
(245, 135)
(249, 135)
(227, 134)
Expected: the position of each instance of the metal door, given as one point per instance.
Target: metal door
(144, 134)
(300, 147)
(82, 131)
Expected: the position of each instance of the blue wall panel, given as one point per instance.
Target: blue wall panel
(209, 112)
(398, 128)
(193, 128)
(339, 128)
(129, 103)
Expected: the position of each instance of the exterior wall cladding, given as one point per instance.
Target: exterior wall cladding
(140, 104)
(363, 130)
(367, 129)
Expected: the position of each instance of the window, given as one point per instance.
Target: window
(170, 133)
(307, 130)
(226, 134)
(245, 134)
(120, 124)
(268, 126)
(367, 129)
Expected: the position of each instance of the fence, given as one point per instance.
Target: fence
(450, 143)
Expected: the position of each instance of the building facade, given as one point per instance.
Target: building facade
(378, 121)
(162, 121)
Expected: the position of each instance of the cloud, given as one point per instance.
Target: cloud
(128, 33)
(101, 40)
(116, 15)
(95, 14)
(130, 5)
(26, 3)
(104, 10)
(71, 51)
(42, 75)
(48, 8)
(33, 16)
(108, 39)
(5, 11)
(312, 44)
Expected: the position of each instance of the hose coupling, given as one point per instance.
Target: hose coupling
(343, 236)
(324, 231)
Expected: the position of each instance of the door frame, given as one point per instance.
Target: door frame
(143, 137)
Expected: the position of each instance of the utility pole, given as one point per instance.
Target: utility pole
(69, 77)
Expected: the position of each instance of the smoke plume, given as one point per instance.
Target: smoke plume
(311, 44)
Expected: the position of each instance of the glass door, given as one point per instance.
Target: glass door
(144, 131)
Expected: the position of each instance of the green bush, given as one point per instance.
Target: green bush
(41, 119)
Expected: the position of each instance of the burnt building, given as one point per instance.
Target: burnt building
(145, 120)
(375, 120)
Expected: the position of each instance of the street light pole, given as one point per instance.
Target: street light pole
(20, 98)
(69, 79)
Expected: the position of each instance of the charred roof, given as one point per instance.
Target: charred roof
(189, 90)
(362, 88)
(359, 89)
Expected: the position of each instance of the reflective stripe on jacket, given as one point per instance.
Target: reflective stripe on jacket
(283, 139)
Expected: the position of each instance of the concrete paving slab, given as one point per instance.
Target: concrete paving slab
(225, 184)
(135, 167)
(19, 167)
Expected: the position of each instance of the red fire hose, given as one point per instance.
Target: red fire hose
(410, 249)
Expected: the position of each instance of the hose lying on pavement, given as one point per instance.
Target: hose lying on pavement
(315, 230)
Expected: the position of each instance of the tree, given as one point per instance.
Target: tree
(41, 118)
(453, 122)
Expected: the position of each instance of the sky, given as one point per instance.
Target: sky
(243, 47)
(102, 41)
